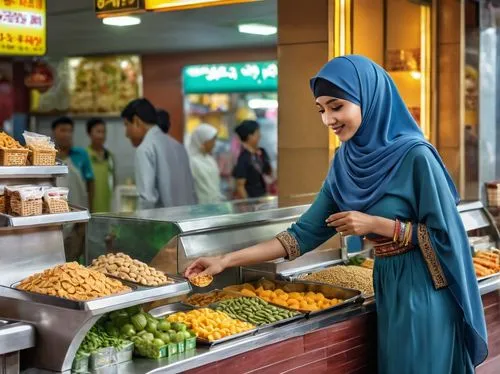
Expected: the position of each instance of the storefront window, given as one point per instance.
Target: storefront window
(489, 94)
(407, 56)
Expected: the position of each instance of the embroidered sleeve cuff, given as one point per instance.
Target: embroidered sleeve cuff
(431, 259)
(290, 244)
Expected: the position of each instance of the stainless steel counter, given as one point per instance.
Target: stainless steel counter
(15, 336)
(204, 355)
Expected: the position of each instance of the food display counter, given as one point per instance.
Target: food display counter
(335, 330)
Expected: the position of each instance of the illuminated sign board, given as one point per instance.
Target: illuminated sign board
(104, 7)
(240, 77)
(23, 30)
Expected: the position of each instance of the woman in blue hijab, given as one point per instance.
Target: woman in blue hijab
(389, 184)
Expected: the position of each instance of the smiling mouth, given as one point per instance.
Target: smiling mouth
(337, 129)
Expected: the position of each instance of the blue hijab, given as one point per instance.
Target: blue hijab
(364, 166)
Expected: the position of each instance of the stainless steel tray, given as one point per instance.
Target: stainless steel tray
(33, 171)
(75, 215)
(329, 291)
(138, 295)
(488, 277)
(299, 315)
(208, 293)
(135, 284)
(166, 310)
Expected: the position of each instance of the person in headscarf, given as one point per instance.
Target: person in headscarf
(389, 184)
(253, 165)
(203, 165)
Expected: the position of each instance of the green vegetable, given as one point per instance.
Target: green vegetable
(158, 343)
(148, 337)
(163, 336)
(133, 310)
(127, 330)
(164, 326)
(172, 336)
(139, 321)
(151, 326)
(179, 337)
(187, 335)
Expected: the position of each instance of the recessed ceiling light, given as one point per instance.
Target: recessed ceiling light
(121, 21)
(257, 29)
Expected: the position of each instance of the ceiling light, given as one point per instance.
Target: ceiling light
(257, 29)
(121, 21)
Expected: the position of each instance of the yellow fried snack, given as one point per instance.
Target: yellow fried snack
(72, 281)
(206, 299)
(201, 280)
(124, 267)
(8, 142)
(209, 324)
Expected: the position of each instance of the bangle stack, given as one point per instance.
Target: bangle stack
(402, 232)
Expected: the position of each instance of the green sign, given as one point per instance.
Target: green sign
(223, 78)
(103, 7)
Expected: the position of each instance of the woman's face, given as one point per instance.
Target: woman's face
(209, 145)
(341, 116)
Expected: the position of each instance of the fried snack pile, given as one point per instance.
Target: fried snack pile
(201, 280)
(72, 281)
(8, 142)
(486, 263)
(205, 299)
(124, 267)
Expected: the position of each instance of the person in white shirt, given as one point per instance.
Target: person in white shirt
(203, 165)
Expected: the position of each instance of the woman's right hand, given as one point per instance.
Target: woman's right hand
(206, 266)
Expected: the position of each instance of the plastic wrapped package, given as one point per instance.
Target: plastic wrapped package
(43, 150)
(27, 201)
(55, 200)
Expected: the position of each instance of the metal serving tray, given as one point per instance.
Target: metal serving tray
(216, 291)
(180, 307)
(135, 284)
(266, 326)
(488, 277)
(329, 291)
(138, 295)
(33, 171)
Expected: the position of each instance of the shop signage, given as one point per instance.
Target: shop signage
(23, 27)
(105, 7)
(241, 77)
(165, 5)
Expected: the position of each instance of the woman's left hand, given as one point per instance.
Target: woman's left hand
(352, 223)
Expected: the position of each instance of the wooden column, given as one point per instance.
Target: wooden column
(449, 78)
(303, 141)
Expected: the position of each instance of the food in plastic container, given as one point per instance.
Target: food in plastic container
(2, 198)
(26, 201)
(81, 363)
(102, 357)
(55, 200)
(72, 281)
(43, 150)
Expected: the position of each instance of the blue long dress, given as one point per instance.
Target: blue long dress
(422, 328)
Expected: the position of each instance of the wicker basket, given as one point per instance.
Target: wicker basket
(53, 206)
(2, 204)
(25, 208)
(13, 157)
(493, 193)
(42, 157)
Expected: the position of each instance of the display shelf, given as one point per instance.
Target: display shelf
(75, 215)
(138, 295)
(15, 336)
(12, 172)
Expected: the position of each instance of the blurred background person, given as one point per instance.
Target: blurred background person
(162, 172)
(163, 119)
(253, 171)
(204, 166)
(103, 165)
(80, 177)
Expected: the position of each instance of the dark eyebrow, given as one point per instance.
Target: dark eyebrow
(328, 102)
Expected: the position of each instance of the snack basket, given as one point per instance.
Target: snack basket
(493, 194)
(13, 156)
(55, 200)
(25, 207)
(2, 199)
(42, 157)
